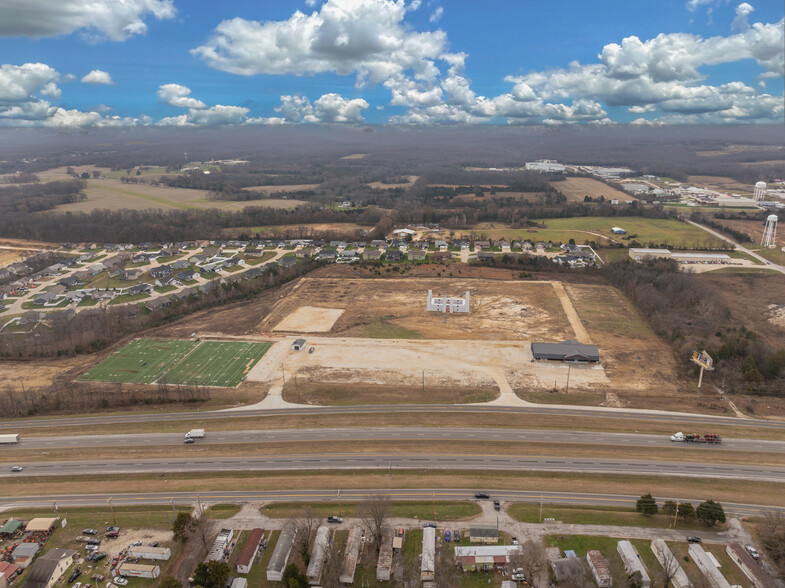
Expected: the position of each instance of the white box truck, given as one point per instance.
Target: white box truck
(9, 439)
(193, 435)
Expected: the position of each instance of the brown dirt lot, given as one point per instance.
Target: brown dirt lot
(575, 189)
(497, 307)
(720, 184)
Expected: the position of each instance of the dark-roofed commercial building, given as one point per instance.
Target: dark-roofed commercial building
(49, 568)
(569, 350)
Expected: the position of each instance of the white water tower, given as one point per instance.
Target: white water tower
(769, 238)
(760, 192)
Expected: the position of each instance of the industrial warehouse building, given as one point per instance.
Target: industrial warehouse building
(642, 254)
(570, 350)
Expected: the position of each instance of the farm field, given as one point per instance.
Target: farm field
(575, 189)
(282, 188)
(296, 230)
(721, 184)
(111, 194)
(591, 228)
(208, 363)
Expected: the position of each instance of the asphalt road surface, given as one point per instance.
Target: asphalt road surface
(457, 461)
(85, 422)
(552, 437)
(573, 498)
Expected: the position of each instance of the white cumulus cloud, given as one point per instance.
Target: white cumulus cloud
(98, 77)
(329, 108)
(364, 37)
(179, 96)
(113, 19)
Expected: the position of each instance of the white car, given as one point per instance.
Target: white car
(120, 581)
(77, 585)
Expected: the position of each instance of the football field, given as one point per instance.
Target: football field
(207, 363)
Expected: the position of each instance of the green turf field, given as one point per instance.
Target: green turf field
(217, 363)
(170, 361)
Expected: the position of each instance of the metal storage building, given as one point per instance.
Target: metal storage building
(632, 561)
(599, 569)
(298, 344)
(248, 554)
(707, 567)
(427, 567)
(352, 553)
(570, 350)
(384, 565)
(280, 556)
(749, 566)
(318, 555)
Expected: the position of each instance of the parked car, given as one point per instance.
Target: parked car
(120, 581)
(97, 577)
(74, 575)
(153, 543)
(447, 536)
(115, 560)
(694, 540)
(497, 505)
(112, 534)
(98, 555)
(481, 495)
(94, 542)
(334, 519)
(113, 529)
(89, 531)
(91, 547)
(310, 350)
(429, 525)
(456, 536)
(77, 585)
(752, 551)
(515, 541)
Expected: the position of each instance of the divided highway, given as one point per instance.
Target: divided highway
(551, 437)
(83, 422)
(573, 498)
(456, 461)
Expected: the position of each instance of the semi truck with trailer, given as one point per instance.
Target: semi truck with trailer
(696, 438)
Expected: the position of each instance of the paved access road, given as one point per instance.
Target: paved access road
(422, 461)
(63, 501)
(458, 434)
(84, 423)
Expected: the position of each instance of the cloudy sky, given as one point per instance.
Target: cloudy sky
(200, 62)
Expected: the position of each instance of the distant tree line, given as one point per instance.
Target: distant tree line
(29, 198)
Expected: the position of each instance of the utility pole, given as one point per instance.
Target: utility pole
(339, 504)
(173, 510)
(283, 376)
(676, 514)
(540, 507)
(569, 367)
(111, 507)
(433, 504)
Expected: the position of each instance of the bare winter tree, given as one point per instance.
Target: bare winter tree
(407, 571)
(574, 574)
(531, 558)
(446, 574)
(331, 572)
(669, 568)
(772, 536)
(373, 514)
(305, 525)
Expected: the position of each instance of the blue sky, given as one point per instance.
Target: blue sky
(178, 62)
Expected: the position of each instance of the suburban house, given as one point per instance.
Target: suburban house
(287, 261)
(439, 244)
(139, 289)
(417, 255)
(166, 282)
(393, 255)
(158, 303)
(180, 264)
(327, 254)
(254, 252)
(132, 274)
(485, 256)
(442, 256)
(161, 271)
(187, 275)
(372, 254)
(482, 245)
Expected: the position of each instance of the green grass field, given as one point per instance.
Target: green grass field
(646, 230)
(209, 363)
(217, 363)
